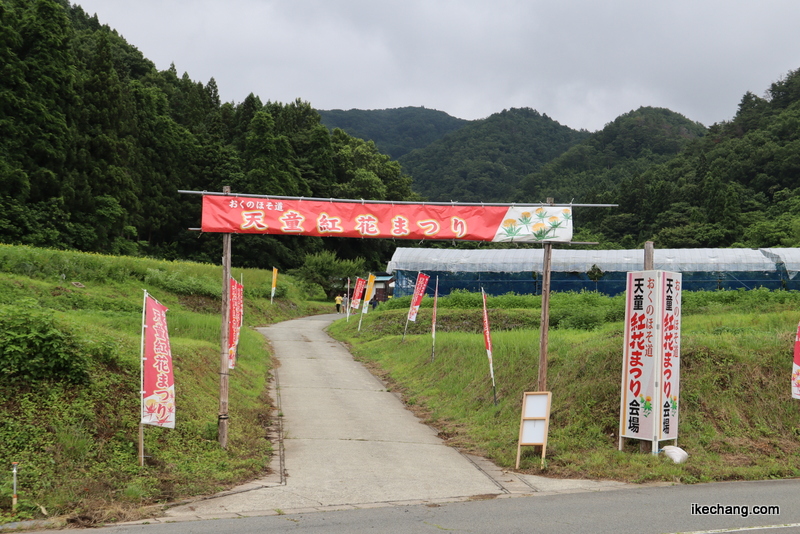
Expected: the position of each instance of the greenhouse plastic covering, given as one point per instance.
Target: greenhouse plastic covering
(790, 257)
(565, 260)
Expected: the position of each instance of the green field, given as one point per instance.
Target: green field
(69, 375)
(738, 420)
(70, 328)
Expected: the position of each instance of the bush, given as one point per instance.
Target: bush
(33, 348)
(183, 284)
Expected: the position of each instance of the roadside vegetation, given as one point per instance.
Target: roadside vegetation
(70, 326)
(738, 421)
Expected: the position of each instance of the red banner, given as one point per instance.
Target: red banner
(235, 315)
(416, 299)
(435, 303)
(358, 292)
(796, 366)
(487, 336)
(158, 382)
(263, 215)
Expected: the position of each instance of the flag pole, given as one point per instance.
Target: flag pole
(433, 320)
(347, 311)
(141, 383)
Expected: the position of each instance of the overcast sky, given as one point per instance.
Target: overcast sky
(582, 62)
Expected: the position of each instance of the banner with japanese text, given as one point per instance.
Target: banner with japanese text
(369, 292)
(158, 381)
(274, 283)
(651, 355)
(459, 222)
(487, 337)
(796, 366)
(640, 356)
(669, 383)
(416, 298)
(236, 307)
(435, 306)
(358, 292)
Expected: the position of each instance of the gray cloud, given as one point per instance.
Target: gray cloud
(581, 62)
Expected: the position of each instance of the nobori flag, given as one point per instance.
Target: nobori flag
(235, 315)
(158, 381)
(358, 293)
(339, 218)
(416, 298)
(796, 366)
(487, 337)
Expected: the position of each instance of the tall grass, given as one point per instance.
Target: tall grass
(76, 441)
(737, 420)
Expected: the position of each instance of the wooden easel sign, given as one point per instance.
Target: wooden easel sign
(535, 421)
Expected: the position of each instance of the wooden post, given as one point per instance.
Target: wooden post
(141, 442)
(222, 424)
(544, 327)
(648, 256)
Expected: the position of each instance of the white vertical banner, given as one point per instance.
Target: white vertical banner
(670, 368)
(641, 354)
(651, 365)
(487, 339)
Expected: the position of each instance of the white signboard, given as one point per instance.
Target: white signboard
(535, 421)
(651, 365)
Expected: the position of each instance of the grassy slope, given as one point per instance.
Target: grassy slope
(76, 443)
(737, 421)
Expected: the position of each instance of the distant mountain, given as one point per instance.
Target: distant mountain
(485, 160)
(394, 131)
(626, 147)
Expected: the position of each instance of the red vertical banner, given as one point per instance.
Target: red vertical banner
(796, 366)
(236, 303)
(358, 293)
(158, 381)
(487, 337)
(416, 298)
(433, 318)
(435, 306)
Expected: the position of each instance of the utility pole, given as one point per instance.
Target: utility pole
(222, 424)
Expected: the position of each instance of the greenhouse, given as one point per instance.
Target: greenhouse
(499, 271)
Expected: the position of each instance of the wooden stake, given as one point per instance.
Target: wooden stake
(544, 327)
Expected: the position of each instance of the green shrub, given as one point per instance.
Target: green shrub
(33, 348)
(182, 284)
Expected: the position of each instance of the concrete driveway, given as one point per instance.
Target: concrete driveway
(346, 442)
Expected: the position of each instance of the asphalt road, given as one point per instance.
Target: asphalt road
(643, 510)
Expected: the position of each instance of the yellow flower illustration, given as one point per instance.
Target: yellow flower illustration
(508, 223)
